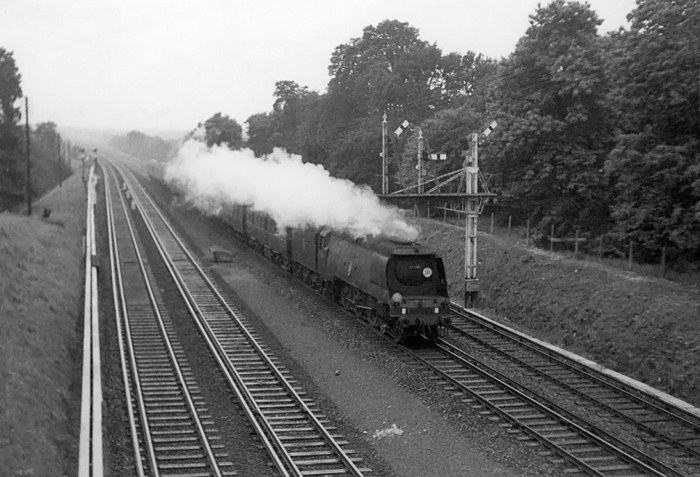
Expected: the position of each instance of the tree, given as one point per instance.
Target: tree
(463, 77)
(287, 113)
(658, 193)
(220, 129)
(654, 165)
(11, 173)
(47, 167)
(389, 67)
(655, 68)
(260, 133)
(550, 96)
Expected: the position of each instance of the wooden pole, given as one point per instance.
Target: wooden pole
(509, 221)
(600, 247)
(663, 261)
(29, 164)
(491, 224)
(551, 241)
(576, 245)
(527, 234)
(629, 266)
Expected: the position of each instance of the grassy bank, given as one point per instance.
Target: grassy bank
(646, 328)
(40, 321)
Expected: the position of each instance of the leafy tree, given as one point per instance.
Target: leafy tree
(463, 77)
(288, 111)
(654, 166)
(658, 193)
(11, 175)
(356, 156)
(555, 133)
(48, 168)
(220, 129)
(389, 67)
(294, 105)
(260, 133)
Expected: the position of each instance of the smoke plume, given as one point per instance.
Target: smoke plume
(293, 193)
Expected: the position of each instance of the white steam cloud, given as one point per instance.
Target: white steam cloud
(293, 193)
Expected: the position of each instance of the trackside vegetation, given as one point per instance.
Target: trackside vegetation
(40, 328)
(595, 133)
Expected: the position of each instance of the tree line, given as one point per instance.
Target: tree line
(595, 133)
(49, 153)
(599, 134)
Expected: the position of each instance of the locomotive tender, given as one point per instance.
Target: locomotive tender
(398, 287)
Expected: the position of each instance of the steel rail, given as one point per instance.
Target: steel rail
(258, 349)
(232, 376)
(677, 413)
(504, 384)
(116, 290)
(600, 436)
(671, 413)
(171, 355)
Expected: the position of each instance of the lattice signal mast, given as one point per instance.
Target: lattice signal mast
(471, 173)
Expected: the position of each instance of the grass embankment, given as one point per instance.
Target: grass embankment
(645, 328)
(40, 320)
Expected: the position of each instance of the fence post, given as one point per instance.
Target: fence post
(600, 247)
(509, 220)
(576, 245)
(527, 234)
(663, 261)
(491, 223)
(551, 242)
(631, 254)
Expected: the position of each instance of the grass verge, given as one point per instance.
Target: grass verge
(40, 323)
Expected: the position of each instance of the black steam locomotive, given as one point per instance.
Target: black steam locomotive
(398, 287)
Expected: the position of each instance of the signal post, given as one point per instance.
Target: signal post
(466, 199)
(471, 171)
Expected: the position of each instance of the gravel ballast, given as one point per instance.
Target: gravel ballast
(386, 406)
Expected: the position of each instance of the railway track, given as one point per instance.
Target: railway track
(589, 422)
(297, 437)
(579, 445)
(170, 428)
(658, 427)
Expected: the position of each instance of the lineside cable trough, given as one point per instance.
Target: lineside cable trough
(90, 458)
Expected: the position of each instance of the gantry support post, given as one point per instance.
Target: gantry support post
(471, 172)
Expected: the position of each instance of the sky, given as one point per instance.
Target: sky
(166, 65)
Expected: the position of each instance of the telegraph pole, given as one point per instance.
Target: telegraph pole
(29, 166)
(385, 179)
(61, 149)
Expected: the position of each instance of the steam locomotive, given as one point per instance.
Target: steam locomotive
(399, 287)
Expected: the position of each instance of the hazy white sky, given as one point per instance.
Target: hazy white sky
(168, 64)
